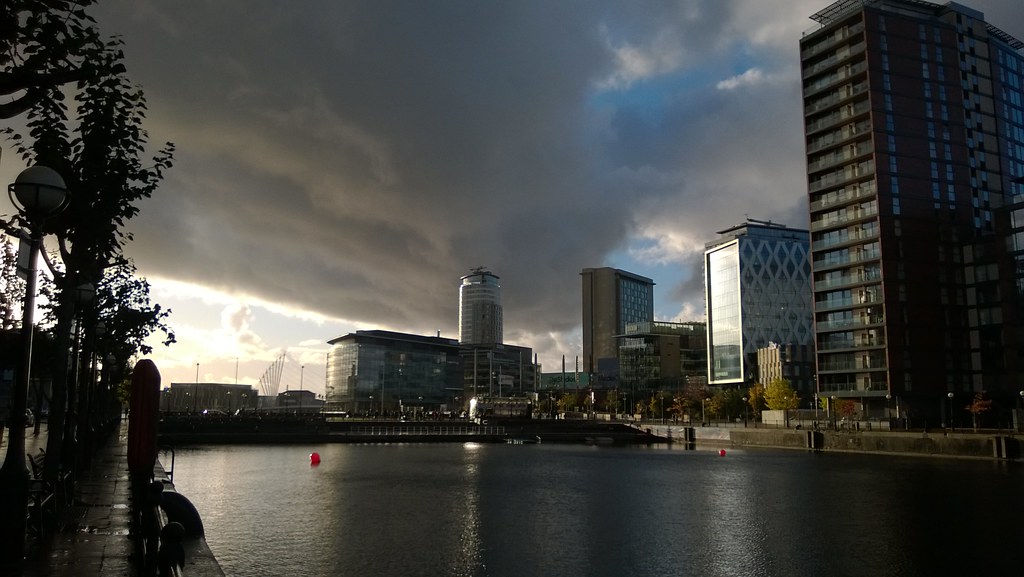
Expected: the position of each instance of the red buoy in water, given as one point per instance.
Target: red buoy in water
(314, 458)
(721, 453)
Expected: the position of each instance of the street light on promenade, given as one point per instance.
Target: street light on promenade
(84, 294)
(745, 399)
(38, 193)
(1020, 418)
(950, 395)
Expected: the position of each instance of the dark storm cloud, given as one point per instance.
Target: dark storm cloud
(356, 158)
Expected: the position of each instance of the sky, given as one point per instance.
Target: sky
(340, 165)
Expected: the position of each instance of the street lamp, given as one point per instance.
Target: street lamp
(38, 193)
(950, 395)
(745, 399)
(1020, 418)
(84, 294)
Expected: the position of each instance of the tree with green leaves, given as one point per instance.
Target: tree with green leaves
(567, 402)
(779, 396)
(729, 403)
(611, 402)
(101, 155)
(43, 44)
(12, 288)
(755, 398)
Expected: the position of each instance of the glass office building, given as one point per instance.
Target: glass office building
(757, 291)
(388, 373)
(612, 299)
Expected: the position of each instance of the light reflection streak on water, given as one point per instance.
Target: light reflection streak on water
(470, 545)
(735, 539)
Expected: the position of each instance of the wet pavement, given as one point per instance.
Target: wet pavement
(92, 534)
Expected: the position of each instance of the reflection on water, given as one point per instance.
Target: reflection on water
(467, 561)
(511, 510)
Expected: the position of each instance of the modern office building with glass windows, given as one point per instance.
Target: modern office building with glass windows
(660, 358)
(387, 373)
(612, 299)
(914, 133)
(757, 291)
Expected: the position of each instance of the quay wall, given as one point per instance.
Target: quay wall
(202, 430)
(199, 559)
(949, 444)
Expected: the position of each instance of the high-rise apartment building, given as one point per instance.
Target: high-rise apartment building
(757, 291)
(915, 148)
(480, 321)
(612, 298)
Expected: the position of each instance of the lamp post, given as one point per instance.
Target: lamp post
(834, 418)
(950, 395)
(745, 399)
(84, 294)
(38, 193)
(1020, 418)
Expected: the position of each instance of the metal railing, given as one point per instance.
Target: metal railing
(454, 430)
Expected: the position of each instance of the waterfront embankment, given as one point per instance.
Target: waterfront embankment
(94, 535)
(184, 430)
(945, 443)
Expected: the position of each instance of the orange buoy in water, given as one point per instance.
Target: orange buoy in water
(721, 453)
(314, 458)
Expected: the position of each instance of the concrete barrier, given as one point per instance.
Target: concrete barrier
(940, 444)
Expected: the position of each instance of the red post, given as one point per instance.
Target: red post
(144, 406)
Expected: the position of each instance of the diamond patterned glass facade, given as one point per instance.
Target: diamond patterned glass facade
(757, 286)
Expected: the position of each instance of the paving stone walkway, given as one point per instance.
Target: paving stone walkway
(92, 537)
